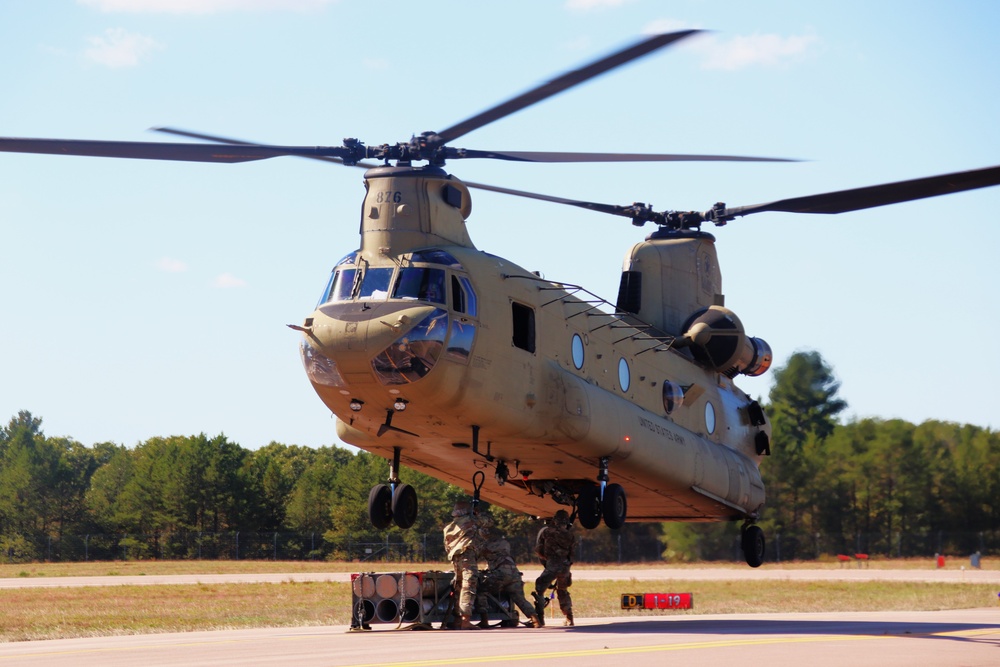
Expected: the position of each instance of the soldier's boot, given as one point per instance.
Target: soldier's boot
(466, 623)
(534, 621)
(569, 620)
(484, 621)
(539, 607)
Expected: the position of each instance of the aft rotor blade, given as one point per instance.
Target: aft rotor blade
(562, 156)
(146, 150)
(857, 199)
(559, 84)
(593, 206)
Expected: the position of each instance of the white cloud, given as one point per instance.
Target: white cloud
(590, 5)
(227, 280)
(202, 6)
(746, 51)
(171, 265)
(120, 48)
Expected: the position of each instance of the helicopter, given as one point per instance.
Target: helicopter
(458, 363)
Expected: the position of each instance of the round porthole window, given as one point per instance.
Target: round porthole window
(709, 418)
(673, 396)
(624, 380)
(577, 351)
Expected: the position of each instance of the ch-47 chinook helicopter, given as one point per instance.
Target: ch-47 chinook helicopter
(458, 363)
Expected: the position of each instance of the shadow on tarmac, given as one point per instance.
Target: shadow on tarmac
(923, 629)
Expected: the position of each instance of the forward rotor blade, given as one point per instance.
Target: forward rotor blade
(562, 83)
(145, 150)
(871, 196)
(240, 142)
(551, 156)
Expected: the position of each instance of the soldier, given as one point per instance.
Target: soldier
(504, 577)
(462, 542)
(554, 548)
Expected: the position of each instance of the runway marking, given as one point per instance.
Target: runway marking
(667, 647)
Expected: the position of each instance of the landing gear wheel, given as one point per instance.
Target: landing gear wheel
(588, 507)
(404, 506)
(614, 506)
(380, 506)
(753, 545)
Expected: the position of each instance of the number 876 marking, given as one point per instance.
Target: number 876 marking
(389, 197)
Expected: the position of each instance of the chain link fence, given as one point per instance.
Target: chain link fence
(592, 547)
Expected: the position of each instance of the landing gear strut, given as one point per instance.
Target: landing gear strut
(393, 501)
(606, 500)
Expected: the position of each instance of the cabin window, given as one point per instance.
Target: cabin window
(524, 326)
(673, 396)
(375, 284)
(709, 417)
(577, 349)
(420, 284)
(624, 376)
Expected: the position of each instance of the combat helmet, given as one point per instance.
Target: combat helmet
(561, 516)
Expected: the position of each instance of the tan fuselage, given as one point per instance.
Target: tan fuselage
(549, 416)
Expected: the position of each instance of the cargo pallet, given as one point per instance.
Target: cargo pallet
(416, 600)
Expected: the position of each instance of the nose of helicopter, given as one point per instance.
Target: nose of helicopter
(394, 343)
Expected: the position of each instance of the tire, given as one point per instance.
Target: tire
(614, 506)
(404, 506)
(588, 507)
(380, 506)
(753, 546)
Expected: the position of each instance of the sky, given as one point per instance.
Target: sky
(144, 298)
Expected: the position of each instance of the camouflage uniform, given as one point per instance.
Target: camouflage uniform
(504, 577)
(462, 542)
(554, 547)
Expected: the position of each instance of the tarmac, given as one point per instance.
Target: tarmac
(968, 637)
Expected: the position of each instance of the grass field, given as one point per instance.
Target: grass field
(48, 613)
(152, 567)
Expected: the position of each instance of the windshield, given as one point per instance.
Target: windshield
(375, 284)
(420, 284)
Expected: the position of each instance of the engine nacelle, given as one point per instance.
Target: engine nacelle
(717, 340)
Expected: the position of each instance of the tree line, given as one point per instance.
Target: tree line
(880, 486)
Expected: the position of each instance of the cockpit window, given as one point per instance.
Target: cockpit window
(413, 355)
(375, 284)
(349, 258)
(343, 285)
(420, 283)
(435, 256)
(463, 297)
(339, 287)
(341, 282)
